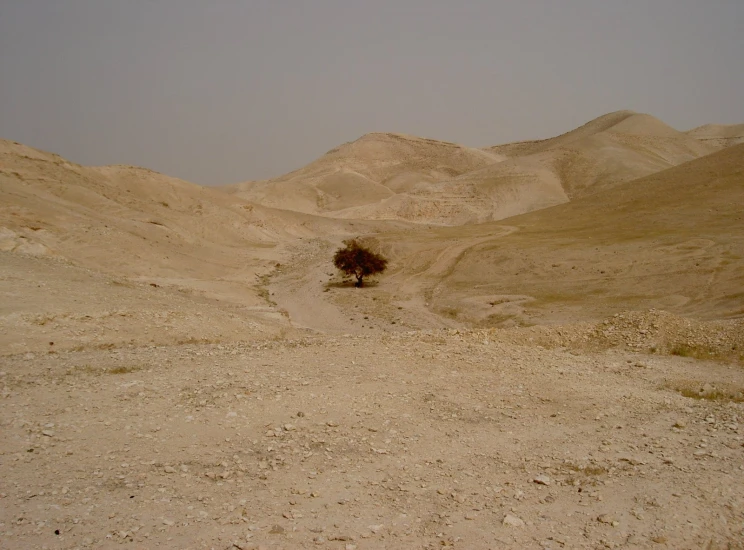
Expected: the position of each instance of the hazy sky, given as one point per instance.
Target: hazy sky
(230, 90)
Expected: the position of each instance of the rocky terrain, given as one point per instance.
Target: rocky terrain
(424, 439)
(181, 367)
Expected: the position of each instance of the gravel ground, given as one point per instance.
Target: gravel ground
(424, 439)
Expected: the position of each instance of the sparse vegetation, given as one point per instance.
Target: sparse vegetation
(587, 469)
(90, 369)
(124, 369)
(694, 389)
(263, 291)
(704, 354)
(681, 350)
(357, 260)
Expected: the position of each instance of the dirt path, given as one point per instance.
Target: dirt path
(420, 282)
(299, 287)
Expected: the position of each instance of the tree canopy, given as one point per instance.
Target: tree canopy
(357, 260)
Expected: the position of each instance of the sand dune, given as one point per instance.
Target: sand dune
(393, 176)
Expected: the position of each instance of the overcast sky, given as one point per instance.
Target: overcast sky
(232, 90)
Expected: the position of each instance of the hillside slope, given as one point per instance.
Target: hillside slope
(392, 176)
(611, 149)
(672, 240)
(374, 167)
(135, 223)
(719, 135)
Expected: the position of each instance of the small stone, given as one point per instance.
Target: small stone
(542, 480)
(48, 433)
(289, 427)
(277, 530)
(470, 516)
(169, 470)
(512, 521)
(376, 528)
(169, 522)
(680, 424)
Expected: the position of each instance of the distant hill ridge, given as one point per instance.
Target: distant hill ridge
(398, 176)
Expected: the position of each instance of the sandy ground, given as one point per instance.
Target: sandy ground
(383, 437)
(331, 442)
(182, 368)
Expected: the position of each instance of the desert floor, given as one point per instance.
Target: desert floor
(553, 360)
(117, 429)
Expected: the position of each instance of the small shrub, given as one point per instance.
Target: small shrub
(721, 392)
(681, 350)
(124, 369)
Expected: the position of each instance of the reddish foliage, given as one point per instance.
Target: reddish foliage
(355, 259)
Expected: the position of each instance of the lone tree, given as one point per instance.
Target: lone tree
(355, 259)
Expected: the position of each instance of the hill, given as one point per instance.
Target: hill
(392, 176)
(373, 168)
(147, 234)
(719, 135)
(673, 240)
(187, 361)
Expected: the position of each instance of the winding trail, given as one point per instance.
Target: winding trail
(299, 288)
